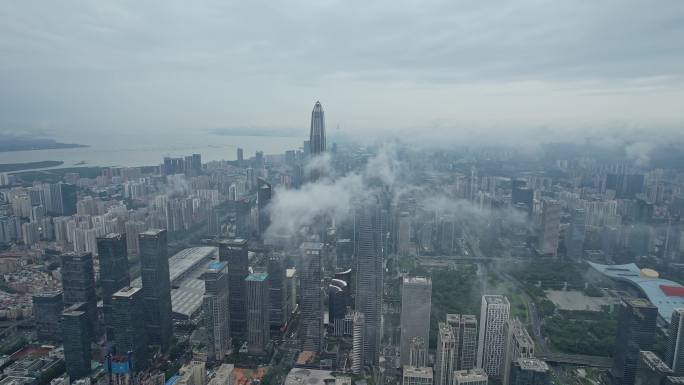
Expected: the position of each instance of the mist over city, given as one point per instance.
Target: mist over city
(342, 193)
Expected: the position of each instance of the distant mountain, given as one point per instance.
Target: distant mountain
(24, 143)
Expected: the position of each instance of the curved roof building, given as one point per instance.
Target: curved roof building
(666, 295)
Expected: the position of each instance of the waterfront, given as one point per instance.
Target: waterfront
(148, 150)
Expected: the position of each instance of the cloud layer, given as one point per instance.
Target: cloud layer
(385, 65)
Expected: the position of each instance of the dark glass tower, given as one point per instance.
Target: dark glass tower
(277, 293)
(47, 312)
(78, 283)
(234, 251)
(114, 274)
(369, 276)
(128, 319)
(311, 322)
(68, 198)
(76, 334)
(317, 134)
(154, 263)
(635, 332)
(263, 199)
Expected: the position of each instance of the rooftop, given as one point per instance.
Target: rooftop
(308, 377)
(418, 371)
(258, 277)
(533, 364)
(127, 292)
(495, 299)
(471, 374)
(152, 232)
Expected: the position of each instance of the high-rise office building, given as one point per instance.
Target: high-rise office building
(522, 197)
(445, 358)
(576, 234)
(311, 322)
(494, 314)
(417, 352)
(264, 192)
(216, 312)
(404, 233)
(317, 133)
(78, 284)
(68, 198)
(413, 375)
(357, 342)
(154, 263)
(291, 279)
(470, 377)
(337, 305)
(416, 295)
(258, 313)
(465, 334)
(530, 371)
(114, 274)
(128, 319)
(675, 343)
(635, 332)
(76, 335)
(369, 277)
(277, 293)
(235, 253)
(550, 228)
(240, 155)
(651, 370)
(519, 344)
(47, 314)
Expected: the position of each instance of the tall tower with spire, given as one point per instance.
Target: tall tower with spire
(317, 134)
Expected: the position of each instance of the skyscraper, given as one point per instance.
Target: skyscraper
(235, 253)
(519, 344)
(47, 313)
(494, 314)
(258, 313)
(465, 334)
(154, 263)
(277, 293)
(128, 319)
(114, 275)
(76, 335)
(264, 192)
(416, 294)
(78, 283)
(550, 228)
(635, 332)
(576, 234)
(216, 313)
(358, 330)
(445, 358)
(675, 344)
(317, 134)
(311, 323)
(68, 198)
(369, 277)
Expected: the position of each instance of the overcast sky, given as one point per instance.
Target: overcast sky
(403, 66)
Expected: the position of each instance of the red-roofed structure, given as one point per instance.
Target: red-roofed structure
(672, 291)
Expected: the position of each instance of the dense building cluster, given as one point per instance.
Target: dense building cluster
(270, 269)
